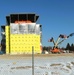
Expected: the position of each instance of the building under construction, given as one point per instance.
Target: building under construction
(21, 33)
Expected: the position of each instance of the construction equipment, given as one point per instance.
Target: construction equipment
(56, 43)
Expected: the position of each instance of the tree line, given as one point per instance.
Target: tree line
(68, 47)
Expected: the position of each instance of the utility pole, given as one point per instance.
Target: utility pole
(32, 60)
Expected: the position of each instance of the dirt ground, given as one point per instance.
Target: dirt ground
(35, 55)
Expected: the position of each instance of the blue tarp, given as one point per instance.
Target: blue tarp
(1, 52)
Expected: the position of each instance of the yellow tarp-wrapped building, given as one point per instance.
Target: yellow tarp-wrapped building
(22, 33)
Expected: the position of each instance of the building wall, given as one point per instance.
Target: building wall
(7, 39)
(21, 43)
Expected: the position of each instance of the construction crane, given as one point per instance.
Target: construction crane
(57, 42)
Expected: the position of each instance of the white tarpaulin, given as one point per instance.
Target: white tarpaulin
(24, 28)
(31, 27)
(37, 29)
(14, 28)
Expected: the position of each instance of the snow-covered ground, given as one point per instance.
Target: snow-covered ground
(61, 65)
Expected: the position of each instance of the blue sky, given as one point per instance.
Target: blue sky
(56, 16)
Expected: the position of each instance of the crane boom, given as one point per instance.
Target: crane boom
(70, 35)
(63, 37)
